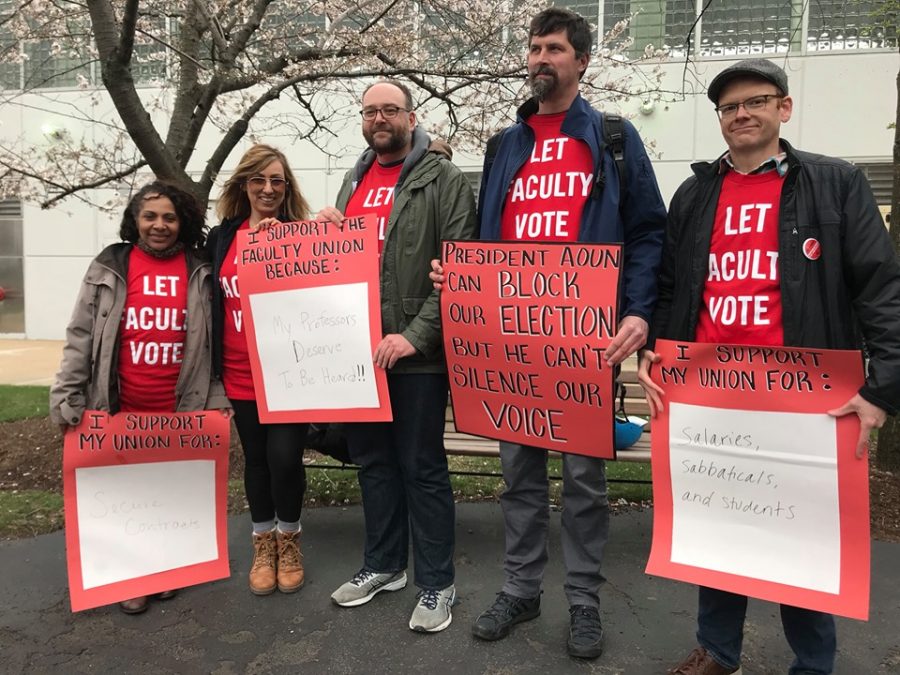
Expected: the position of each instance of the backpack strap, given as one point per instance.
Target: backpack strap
(614, 140)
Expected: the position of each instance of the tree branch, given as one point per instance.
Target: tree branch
(242, 37)
(129, 23)
(119, 82)
(94, 184)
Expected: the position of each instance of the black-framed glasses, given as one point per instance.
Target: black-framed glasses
(388, 112)
(259, 182)
(752, 104)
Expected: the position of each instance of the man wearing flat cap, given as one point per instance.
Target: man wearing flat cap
(831, 281)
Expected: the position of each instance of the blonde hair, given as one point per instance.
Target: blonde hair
(233, 201)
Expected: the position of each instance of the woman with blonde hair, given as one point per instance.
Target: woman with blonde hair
(261, 190)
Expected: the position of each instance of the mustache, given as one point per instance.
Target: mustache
(543, 70)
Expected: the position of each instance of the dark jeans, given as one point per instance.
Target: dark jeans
(274, 475)
(404, 482)
(720, 629)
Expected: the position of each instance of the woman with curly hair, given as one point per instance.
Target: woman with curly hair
(140, 333)
(261, 191)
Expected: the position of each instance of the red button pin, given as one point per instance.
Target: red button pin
(812, 249)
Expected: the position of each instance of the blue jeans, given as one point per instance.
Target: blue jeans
(720, 630)
(404, 482)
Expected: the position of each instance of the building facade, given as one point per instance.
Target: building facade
(842, 68)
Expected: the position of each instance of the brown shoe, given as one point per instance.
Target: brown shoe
(262, 571)
(701, 662)
(290, 562)
(134, 606)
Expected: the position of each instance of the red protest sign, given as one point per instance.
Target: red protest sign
(525, 329)
(145, 502)
(311, 302)
(756, 489)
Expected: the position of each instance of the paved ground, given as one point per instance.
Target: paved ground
(221, 628)
(29, 361)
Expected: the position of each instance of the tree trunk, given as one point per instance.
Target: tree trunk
(888, 457)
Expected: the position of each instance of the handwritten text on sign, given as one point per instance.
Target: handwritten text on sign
(525, 330)
(752, 462)
(311, 292)
(145, 503)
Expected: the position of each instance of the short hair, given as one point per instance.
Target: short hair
(555, 19)
(233, 201)
(395, 83)
(191, 215)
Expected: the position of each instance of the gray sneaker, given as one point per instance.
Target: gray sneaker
(432, 612)
(365, 584)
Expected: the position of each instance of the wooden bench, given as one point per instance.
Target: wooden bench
(458, 443)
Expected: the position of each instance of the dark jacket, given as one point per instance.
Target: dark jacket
(217, 244)
(849, 294)
(88, 376)
(638, 222)
(432, 202)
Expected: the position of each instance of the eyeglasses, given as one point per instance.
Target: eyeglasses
(259, 182)
(388, 112)
(750, 105)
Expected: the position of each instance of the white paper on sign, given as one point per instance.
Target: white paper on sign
(140, 519)
(314, 347)
(756, 494)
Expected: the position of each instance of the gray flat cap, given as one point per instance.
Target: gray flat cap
(762, 68)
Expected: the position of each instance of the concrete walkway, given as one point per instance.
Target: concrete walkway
(221, 628)
(29, 361)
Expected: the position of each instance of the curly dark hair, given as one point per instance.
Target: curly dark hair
(191, 216)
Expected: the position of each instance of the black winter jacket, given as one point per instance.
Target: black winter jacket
(848, 297)
(217, 244)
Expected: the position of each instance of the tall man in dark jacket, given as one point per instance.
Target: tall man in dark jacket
(829, 279)
(419, 198)
(558, 140)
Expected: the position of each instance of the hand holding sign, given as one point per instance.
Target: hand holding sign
(871, 417)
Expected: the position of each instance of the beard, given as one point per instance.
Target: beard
(398, 139)
(542, 87)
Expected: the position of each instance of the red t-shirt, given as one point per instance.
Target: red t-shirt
(375, 194)
(742, 294)
(547, 196)
(152, 332)
(236, 375)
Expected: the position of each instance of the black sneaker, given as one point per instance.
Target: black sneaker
(507, 610)
(585, 632)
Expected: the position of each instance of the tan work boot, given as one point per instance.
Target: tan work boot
(262, 571)
(290, 562)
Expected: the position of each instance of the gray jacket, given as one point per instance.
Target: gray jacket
(88, 375)
(433, 201)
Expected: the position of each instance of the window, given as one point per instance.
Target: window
(12, 278)
(881, 179)
(850, 24)
(661, 23)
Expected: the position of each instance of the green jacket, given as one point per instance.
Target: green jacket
(433, 201)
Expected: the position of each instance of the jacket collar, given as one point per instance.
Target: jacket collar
(577, 116)
(115, 258)
(706, 170)
(420, 143)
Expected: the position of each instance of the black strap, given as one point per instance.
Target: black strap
(614, 138)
